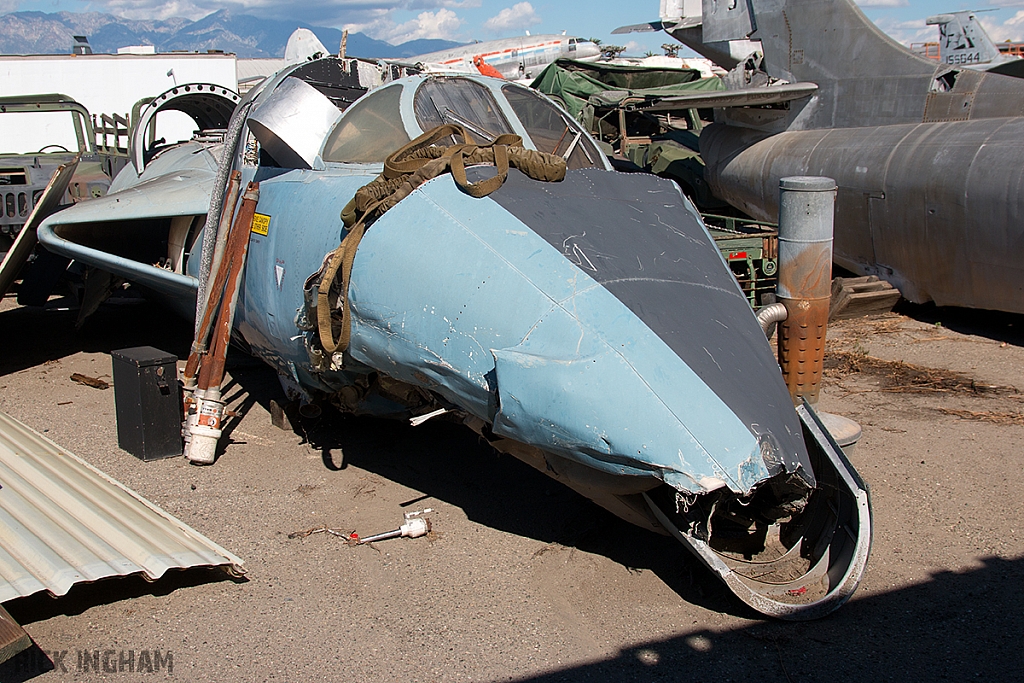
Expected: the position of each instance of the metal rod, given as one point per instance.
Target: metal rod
(205, 326)
(212, 372)
(231, 137)
(204, 426)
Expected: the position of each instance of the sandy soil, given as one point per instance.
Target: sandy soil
(522, 579)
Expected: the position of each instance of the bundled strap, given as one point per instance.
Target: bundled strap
(404, 171)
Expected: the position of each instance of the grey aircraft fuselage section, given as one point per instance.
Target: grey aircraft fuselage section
(927, 157)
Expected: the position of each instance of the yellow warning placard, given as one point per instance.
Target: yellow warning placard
(260, 224)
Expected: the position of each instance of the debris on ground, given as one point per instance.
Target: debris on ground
(352, 538)
(548, 548)
(416, 525)
(858, 296)
(94, 382)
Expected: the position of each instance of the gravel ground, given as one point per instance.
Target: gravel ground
(522, 579)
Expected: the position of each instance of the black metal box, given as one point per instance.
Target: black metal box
(147, 400)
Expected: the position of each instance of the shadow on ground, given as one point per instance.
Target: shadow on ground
(1003, 327)
(83, 596)
(956, 627)
(31, 336)
(448, 462)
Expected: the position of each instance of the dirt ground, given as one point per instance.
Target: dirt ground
(522, 579)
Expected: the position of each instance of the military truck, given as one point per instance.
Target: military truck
(42, 132)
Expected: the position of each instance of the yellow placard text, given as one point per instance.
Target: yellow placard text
(260, 224)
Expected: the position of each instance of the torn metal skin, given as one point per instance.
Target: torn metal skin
(590, 327)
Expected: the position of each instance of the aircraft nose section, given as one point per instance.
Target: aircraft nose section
(609, 402)
(594, 318)
(642, 249)
(587, 51)
(591, 328)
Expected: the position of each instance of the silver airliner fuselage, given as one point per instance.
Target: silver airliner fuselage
(514, 58)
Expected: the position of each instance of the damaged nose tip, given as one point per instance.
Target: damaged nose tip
(788, 549)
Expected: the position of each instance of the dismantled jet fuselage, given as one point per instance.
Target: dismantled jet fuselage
(926, 155)
(587, 325)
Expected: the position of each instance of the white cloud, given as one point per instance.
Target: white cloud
(146, 11)
(428, 4)
(325, 13)
(518, 16)
(907, 32)
(8, 6)
(634, 48)
(999, 31)
(443, 23)
(882, 3)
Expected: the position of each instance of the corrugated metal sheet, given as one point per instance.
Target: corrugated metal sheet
(62, 522)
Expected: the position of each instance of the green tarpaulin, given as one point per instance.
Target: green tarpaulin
(577, 84)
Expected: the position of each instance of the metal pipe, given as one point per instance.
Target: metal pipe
(206, 431)
(413, 528)
(202, 332)
(232, 287)
(213, 215)
(769, 315)
(200, 345)
(226, 216)
(806, 215)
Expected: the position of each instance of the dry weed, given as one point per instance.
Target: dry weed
(898, 376)
(986, 416)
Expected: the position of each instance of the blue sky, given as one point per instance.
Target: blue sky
(464, 20)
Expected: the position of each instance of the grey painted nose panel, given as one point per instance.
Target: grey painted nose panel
(643, 242)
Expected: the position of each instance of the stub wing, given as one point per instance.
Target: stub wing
(131, 233)
(744, 97)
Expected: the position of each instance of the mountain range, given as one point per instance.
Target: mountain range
(245, 35)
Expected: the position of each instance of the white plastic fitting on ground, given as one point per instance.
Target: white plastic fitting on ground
(415, 527)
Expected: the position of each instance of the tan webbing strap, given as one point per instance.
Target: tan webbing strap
(342, 259)
(499, 156)
(406, 160)
(404, 171)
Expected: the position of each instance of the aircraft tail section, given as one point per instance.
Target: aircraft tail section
(804, 39)
(680, 10)
(962, 40)
(862, 73)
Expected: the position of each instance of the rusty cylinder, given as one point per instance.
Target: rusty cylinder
(806, 213)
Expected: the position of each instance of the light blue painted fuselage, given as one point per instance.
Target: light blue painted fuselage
(456, 295)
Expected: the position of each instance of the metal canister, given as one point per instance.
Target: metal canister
(806, 214)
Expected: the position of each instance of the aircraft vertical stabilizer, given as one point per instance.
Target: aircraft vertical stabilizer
(832, 43)
(924, 153)
(963, 42)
